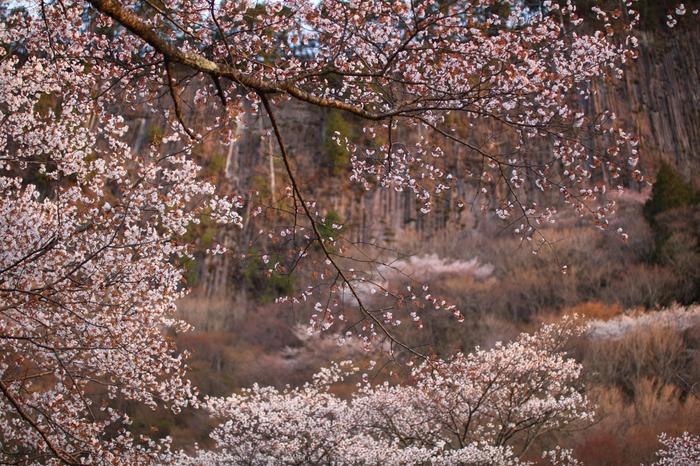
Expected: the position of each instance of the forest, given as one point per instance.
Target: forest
(442, 232)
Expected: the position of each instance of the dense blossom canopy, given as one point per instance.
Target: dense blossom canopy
(477, 409)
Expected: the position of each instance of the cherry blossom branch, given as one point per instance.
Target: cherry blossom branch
(33, 255)
(199, 63)
(59, 453)
(319, 237)
(167, 16)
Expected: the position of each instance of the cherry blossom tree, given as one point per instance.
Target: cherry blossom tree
(88, 281)
(684, 449)
(91, 231)
(486, 407)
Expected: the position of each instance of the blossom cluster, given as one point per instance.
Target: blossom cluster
(486, 407)
(683, 450)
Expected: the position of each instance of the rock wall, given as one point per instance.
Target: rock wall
(658, 99)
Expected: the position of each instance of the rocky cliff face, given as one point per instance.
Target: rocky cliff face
(658, 99)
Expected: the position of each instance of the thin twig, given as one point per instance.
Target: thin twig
(691, 388)
(176, 101)
(319, 237)
(219, 89)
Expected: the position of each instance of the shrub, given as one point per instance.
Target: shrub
(669, 191)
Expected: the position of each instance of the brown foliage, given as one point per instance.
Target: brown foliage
(596, 310)
(655, 353)
(627, 433)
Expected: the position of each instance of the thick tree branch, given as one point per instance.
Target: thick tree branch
(133, 23)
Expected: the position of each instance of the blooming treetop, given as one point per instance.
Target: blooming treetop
(89, 230)
(477, 409)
